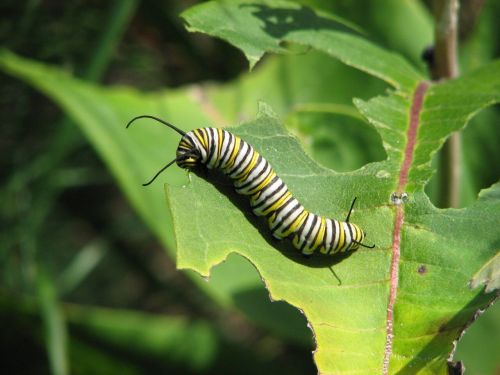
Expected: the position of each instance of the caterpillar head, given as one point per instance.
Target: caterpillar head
(187, 153)
(187, 156)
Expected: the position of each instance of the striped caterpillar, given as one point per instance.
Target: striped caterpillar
(253, 176)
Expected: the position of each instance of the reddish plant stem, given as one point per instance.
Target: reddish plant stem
(445, 65)
(396, 242)
(416, 107)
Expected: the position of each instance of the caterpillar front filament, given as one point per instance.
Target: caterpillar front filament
(253, 176)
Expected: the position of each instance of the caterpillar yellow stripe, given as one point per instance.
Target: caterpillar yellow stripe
(253, 176)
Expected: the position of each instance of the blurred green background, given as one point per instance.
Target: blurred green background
(84, 285)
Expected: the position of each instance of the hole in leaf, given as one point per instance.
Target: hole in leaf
(478, 347)
(342, 143)
(479, 160)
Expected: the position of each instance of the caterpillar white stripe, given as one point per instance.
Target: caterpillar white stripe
(253, 176)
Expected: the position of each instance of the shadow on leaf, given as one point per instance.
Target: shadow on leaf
(225, 187)
(278, 22)
(449, 330)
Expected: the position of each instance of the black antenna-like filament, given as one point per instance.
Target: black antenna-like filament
(347, 220)
(159, 172)
(350, 210)
(178, 158)
(166, 124)
(362, 244)
(159, 120)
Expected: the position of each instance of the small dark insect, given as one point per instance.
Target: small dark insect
(422, 269)
(252, 175)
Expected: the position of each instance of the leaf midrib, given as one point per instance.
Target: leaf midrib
(406, 164)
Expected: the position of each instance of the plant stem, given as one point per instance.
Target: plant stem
(450, 172)
(446, 37)
(445, 66)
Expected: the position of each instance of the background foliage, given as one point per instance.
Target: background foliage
(84, 284)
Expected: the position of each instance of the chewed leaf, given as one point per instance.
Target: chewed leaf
(393, 309)
(399, 308)
(257, 27)
(488, 275)
(345, 300)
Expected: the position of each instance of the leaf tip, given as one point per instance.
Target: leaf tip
(265, 110)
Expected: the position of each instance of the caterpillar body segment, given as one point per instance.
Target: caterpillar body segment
(253, 176)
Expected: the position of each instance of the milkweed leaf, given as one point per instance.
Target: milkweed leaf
(438, 251)
(424, 256)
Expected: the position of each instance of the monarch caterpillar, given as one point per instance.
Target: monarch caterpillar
(253, 176)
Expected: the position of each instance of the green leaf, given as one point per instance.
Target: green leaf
(488, 275)
(479, 346)
(389, 23)
(257, 27)
(104, 340)
(117, 341)
(447, 108)
(134, 155)
(102, 115)
(175, 339)
(54, 324)
(338, 343)
(439, 251)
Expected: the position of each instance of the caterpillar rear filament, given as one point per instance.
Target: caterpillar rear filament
(253, 176)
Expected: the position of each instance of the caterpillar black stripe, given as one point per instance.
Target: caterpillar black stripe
(252, 175)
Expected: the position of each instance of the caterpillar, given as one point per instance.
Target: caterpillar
(253, 176)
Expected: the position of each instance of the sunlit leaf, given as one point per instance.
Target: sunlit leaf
(435, 251)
